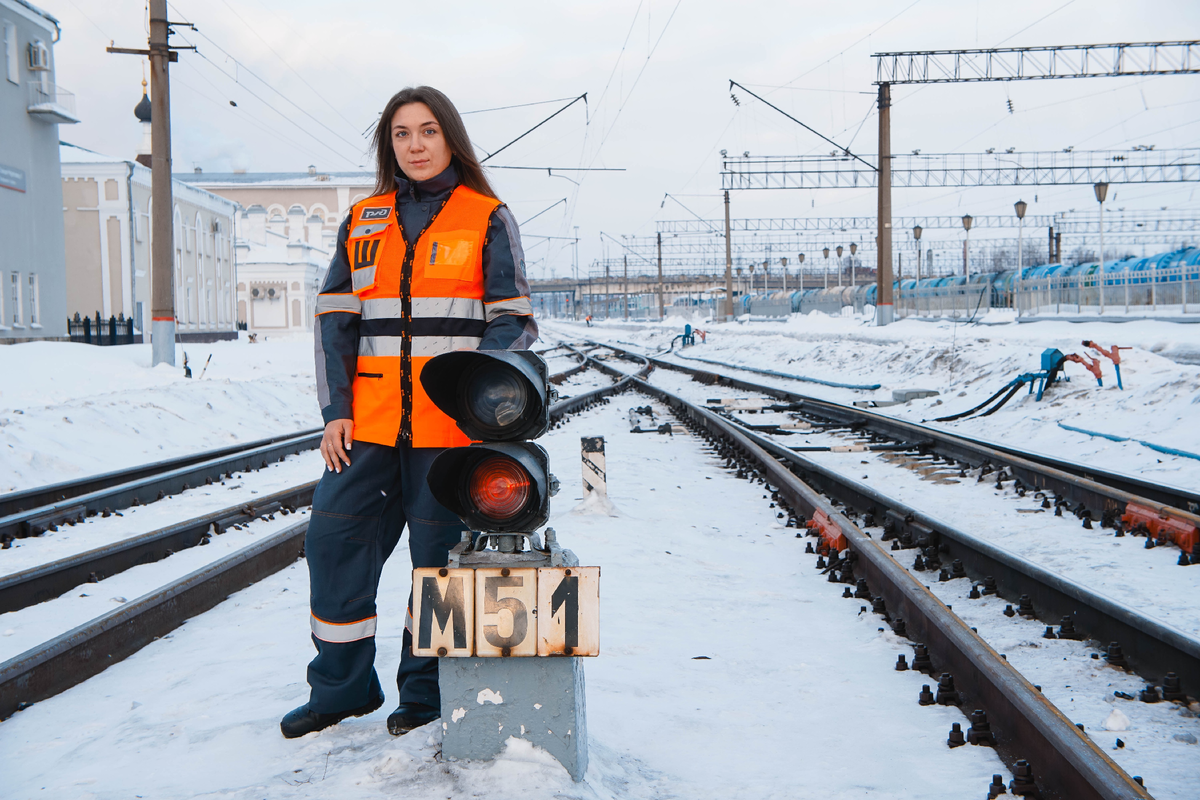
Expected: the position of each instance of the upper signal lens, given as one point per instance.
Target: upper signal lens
(499, 487)
(496, 397)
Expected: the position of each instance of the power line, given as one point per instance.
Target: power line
(242, 67)
(582, 97)
(519, 105)
(543, 211)
(1030, 25)
(286, 64)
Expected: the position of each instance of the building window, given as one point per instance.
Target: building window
(15, 296)
(34, 316)
(11, 59)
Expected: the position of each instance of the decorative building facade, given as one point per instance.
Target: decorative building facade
(106, 212)
(287, 231)
(32, 106)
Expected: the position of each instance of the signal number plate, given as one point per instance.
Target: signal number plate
(443, 612)
(504, 612)
(568, 611)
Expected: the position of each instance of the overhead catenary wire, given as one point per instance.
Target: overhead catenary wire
(241, 67)
(582, 97)
(311, 88)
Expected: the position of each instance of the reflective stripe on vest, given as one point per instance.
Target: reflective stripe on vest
(361, 279)
(422, 346)
(445, 307)
(342, 632)
(418, 301)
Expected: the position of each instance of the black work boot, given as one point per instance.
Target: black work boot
(408, 716)
(303, 720)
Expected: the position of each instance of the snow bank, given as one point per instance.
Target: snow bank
(71, 410)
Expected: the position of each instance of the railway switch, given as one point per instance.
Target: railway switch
(512, 612)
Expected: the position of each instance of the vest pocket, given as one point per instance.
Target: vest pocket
(450, 255)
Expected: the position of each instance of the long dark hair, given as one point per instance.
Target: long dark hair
(470, 171)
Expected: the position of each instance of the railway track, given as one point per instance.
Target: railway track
(1104, 496)
(78, 654)
(1030, 732)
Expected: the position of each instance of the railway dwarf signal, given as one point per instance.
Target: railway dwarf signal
(484, 602)
(490, 612)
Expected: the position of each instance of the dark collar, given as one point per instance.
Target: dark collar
(436, 188)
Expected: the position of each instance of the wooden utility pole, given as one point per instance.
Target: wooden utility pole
(883, 287)
(162, 281)
(728, 265)
(660, 281)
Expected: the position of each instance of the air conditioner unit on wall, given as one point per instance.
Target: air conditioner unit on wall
(39, 56)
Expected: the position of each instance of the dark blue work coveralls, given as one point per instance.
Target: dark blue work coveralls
(360, 513)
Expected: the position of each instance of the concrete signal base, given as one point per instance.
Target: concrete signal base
(540, 700)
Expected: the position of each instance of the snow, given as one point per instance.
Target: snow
(967, 364)
(72, 410)
(796, 679)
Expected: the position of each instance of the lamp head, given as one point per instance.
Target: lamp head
(826, 252)
(1101, 191)
(853, 248)
(839, 251)
(917, 232)
(1020, 206)
(967, 220)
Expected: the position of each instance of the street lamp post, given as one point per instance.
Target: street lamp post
(1101, 193)
(1020, 207)
(839, 255)
(853, 250)
(917, 239)
(967, 220)
(826, 252)
(783, 264)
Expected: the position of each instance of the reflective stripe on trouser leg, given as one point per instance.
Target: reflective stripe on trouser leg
(342, 632)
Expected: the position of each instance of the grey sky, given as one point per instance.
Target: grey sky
(662, 118)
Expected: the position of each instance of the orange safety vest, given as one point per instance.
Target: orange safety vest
(416, 303)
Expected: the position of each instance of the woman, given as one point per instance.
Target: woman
(431, 262)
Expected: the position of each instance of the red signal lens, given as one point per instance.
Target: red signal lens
(499, 487)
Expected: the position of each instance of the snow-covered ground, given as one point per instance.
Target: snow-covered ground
(71, 410)
(967, 364)
(795, 683)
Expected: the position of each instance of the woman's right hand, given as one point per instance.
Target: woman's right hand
(336, 442)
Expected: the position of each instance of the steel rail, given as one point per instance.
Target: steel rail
(33, 511)
(1099, 491)
(1152, 648)
(47, 581)
(1027, 726)
(87, 650)
(149, 487)
(38, 496)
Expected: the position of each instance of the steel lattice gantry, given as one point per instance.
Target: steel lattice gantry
(964, 169)
(1066, 222)
(1038, 63)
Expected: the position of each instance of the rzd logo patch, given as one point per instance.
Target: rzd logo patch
(370, 214)
(365, 253)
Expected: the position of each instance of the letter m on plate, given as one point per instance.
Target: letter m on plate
(443, 612)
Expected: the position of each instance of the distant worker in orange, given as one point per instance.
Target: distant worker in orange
(430, 263)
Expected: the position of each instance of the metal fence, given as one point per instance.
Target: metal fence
(1170, 290)
(965, 300)
(113, 331)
